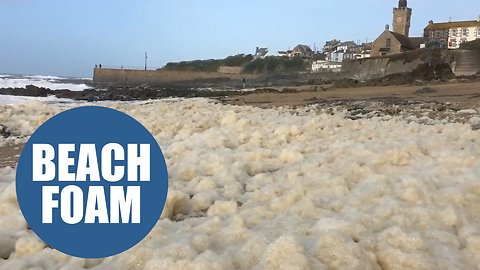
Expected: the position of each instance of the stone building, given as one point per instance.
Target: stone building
(401, 18)
(359, 51)
(391, 42)
(302, 51)
(398, 40)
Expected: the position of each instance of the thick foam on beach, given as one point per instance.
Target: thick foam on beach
(284, 189)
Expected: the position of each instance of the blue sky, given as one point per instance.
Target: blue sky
(67, 38)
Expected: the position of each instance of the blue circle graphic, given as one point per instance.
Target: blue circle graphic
(106, 209)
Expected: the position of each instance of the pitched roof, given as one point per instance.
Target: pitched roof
(367, 45)
(261, 51)
(332, 42)
(417, 41)
(347, 43)
(302, 49)
(448, 25)
(404, 40)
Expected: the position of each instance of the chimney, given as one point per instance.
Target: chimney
(430, 22)
(387, 27)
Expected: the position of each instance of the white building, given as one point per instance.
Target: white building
(337, 54)
(322, 65)
(451, 34)
(260, 53)
(458, 34)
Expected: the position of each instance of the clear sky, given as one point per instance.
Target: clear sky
(67, 38)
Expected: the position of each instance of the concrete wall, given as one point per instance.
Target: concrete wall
(230, 70)
(375, 67)
(130, 76)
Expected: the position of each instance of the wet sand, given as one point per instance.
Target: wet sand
(9, 155)
(464, 95)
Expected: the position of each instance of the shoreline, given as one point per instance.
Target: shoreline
(435, 101)
(464, 92)
(464, 95)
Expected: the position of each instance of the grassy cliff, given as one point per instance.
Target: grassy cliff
(210, 65)
(269, 65)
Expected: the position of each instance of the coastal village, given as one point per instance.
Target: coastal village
(335, 57)
(392, 40)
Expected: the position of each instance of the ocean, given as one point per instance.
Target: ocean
(46, 81)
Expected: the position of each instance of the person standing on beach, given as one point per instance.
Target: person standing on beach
(243, 82)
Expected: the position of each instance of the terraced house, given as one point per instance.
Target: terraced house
(451, 34)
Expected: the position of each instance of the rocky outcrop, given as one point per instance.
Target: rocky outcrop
(143, 92)
(28, 91)
(424, 64)
(4, 131)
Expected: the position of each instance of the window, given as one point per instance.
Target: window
(465, 31)
(453, 33)
(388, 44)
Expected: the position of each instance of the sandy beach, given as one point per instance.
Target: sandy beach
(464, 95)
(9, 154)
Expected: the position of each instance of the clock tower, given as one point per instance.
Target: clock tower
(401, 18)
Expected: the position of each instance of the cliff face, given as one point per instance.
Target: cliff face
(423, 62)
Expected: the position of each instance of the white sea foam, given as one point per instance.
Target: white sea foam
(15, 100)
(284, 189)
(43, 77)
(51, 82)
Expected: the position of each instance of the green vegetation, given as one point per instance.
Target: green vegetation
(210, 65)
(274, 64)
(238, 60)
(270, 64)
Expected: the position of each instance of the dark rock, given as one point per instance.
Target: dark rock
(345, 83)
(439, 108)
(29, 91)
(4, 131)
(476, 126)
(92, 98)
(289, 90)
(35, 91)
(426, 90)
(433, 70)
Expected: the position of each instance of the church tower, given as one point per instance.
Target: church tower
(401, 18)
